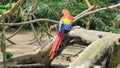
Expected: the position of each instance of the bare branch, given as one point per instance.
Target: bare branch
(35, 34)
(95, 4)
(35, 6)
(15, 32)
(85, 11)
(42, 26)
(32, 21)
(10, 3)
(88, 3)
(90, 16)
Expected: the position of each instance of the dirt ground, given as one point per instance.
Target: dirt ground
(22, 47)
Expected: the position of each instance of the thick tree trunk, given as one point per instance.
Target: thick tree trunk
(99, 53)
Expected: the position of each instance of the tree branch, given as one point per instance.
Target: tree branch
(42, 26)
(97, 10)
(35, 6)
(90, 16)
(10, 3)
(85, 11)
(88, 3)
(34, 32)
(32, 21)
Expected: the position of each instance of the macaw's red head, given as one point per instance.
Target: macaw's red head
(65, 12)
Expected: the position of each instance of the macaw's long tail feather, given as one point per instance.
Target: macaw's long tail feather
(56, 44)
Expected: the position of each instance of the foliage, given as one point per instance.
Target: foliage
(52, 9)
(4, 2)
(3, 8)
(9, 54)
(104, 20)
(117, 21)
(6, 7)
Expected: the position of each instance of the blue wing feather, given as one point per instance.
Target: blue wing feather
(63, 26)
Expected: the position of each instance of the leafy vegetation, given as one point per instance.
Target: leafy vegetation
(104, 20)
(52, 9)
(4, 8)
(9, 54)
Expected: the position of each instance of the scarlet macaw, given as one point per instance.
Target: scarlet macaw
(64, 25)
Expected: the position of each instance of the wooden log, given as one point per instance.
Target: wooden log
(38, 65)
(88, 36)
(101, 50)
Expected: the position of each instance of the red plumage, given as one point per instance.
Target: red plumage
(56, 44)
(66, 14)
